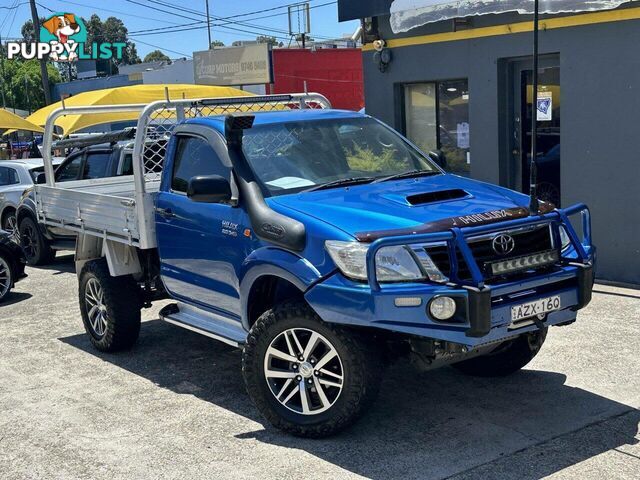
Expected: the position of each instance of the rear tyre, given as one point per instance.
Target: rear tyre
(110, 307)
(508, 358)
(10, 225)
(6, 276)
(307, 377)
(35, 247)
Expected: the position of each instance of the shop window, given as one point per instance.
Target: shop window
(437, 118)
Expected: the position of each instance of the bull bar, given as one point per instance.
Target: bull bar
(479, 300)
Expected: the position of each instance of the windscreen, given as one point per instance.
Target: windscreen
(295, 156)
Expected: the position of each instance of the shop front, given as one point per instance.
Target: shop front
(463, 86)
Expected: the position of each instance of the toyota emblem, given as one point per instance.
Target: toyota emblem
(503, 244)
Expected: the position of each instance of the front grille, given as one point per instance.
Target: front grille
(527, 241)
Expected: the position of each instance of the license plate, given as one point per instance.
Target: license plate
(531, 309)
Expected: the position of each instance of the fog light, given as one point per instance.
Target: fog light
(442, 308)
(408, 301)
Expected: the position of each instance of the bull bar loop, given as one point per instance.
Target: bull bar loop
(456, 240)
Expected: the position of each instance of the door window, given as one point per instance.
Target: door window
(437, 118)
(69, 170)
(96, 164)
(8, 176)
(194, 156)
(127, 165)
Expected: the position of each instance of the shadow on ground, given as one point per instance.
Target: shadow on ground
(63, 263)
(15, 297)
(424, 425)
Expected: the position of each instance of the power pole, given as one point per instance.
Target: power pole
(26, 92)
(43, 62)
(534, 205)
(4, 100)
(208, 24)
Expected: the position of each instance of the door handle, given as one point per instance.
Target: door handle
(165, 212)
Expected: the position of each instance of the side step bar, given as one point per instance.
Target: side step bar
(205, 323)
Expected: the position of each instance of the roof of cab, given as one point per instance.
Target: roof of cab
(282, 116)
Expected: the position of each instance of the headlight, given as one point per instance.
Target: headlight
(393, 264)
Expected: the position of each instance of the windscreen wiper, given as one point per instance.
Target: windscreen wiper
(410, 174)
(340, 183)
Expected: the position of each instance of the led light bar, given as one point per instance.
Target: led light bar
(524, 262)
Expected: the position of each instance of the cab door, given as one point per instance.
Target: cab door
(201, 245)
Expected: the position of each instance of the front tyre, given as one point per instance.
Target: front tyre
(507, 358)
(305, 376)
(110, 307)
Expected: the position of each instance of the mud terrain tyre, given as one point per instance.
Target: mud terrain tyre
(507, 358)
(307, 377)
(110, 307)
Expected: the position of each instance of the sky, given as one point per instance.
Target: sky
(186, 30)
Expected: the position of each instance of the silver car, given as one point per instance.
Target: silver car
(15, 177)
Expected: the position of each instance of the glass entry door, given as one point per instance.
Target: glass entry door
(548, 116)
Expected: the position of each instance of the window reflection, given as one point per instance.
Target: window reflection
(445, 104)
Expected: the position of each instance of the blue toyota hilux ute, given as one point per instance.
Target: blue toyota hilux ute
(325, 245)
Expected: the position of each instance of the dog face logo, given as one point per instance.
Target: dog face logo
(63, 28)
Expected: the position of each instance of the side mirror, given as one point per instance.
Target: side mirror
(209, 189)
(41, 178)
(438, 158)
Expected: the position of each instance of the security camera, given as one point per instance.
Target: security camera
(379, 44)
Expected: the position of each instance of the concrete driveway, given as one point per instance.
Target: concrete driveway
(175, 406)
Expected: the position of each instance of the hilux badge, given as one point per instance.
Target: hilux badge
(503, 244)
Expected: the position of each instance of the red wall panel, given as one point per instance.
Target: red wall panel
(336, 73)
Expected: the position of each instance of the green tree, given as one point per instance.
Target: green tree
(156, 56)
(111, 30)
(28, 32)
(24, 83)
(217, 43)
(272, 41)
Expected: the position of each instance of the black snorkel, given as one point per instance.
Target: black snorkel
(267, 224)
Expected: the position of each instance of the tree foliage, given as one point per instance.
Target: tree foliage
(22, 83)
(156, 56)
(272, 41)
(112, 30)
(217, 43)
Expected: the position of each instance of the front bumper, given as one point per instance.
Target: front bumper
(485, 314)
(484, 311)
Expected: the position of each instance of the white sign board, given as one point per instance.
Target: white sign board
(545, 106)
(250, 65)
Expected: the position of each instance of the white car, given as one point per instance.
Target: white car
(15, 177)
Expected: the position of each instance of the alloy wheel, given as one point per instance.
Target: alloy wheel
(304, 371)
(11, 227)
(5, 278)
(29, 242)
(96, 309)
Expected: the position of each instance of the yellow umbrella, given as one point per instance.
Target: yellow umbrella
(13, 122)
(125, 95)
